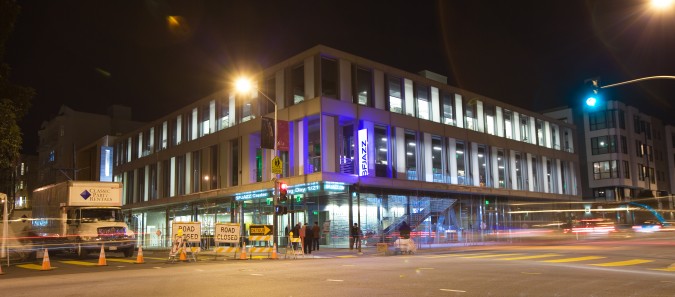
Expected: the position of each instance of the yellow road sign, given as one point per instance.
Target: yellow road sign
(277, 165)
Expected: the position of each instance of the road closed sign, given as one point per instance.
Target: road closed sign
(191, 231)
(227, 232)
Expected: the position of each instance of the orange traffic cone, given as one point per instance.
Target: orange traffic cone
(46, 265)
(242, 255)
(274, 252)
(139, 257)
(183, 257)
(101, 258)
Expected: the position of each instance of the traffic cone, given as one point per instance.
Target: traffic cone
(46, 265)
(242, 255)
(274, 252)
(139, 257)
(183, 257)
(101, 258)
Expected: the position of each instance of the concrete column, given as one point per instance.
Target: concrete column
(435, 105)
(400, 153)
(473, 162)
(409, 97)
(328, 144)
(426, 157)
(452, 160)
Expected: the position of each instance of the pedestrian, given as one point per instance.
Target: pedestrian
(404, 230)
(309, 241)
(303, 234)
(355, 237)
(296, 234)
(316, 235)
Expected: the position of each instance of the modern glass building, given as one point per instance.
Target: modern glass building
(367, 144)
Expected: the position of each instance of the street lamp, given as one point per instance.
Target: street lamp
(245, 86)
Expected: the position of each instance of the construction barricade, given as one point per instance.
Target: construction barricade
(227, 233)
(260, 245)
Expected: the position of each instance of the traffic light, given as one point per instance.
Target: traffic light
(280, 209)
(594, 92)
(283, 192)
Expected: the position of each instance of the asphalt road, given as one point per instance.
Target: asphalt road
(631, 266)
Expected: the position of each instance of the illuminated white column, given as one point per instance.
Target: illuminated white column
(513, 177)
(530, 177)
(452, 158)
(494, 163)
(475, 175)
(400, 153)
(428, 163)
(544, 173)
(500, 121)
(409, 98)
(480, 117)
(435, 105)
(460, 113)
(516, 127)
(328, 145)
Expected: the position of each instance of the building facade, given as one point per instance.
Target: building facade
(367, 144)
(64, 135)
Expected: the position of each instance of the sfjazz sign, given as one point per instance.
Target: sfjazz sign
(363, 152)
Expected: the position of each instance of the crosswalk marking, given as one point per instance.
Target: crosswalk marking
(530, 257)
(624, 263)
(490, 256)
(574, 259)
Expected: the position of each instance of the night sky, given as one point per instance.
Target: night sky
(533, 54)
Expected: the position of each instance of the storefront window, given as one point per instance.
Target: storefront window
(411, 155)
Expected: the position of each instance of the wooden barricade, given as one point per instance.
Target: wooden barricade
(226, 250)
(264, 246)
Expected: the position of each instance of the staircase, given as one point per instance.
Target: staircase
(421, 210)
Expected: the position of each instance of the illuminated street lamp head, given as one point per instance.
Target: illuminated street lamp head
(243, 85)
(591, 101)
(661, 4)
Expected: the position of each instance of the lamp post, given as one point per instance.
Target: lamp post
(244, 85)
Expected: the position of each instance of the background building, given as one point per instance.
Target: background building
(62, 136)
(368, 144)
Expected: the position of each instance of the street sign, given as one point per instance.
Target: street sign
(192, 231)
(277, 165)
(260, 230)
(227, 232)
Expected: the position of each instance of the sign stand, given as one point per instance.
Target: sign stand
(294, 247)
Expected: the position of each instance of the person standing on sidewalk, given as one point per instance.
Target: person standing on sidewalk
(309, 240)
(355, 237)
(303, 233)
(316, 232)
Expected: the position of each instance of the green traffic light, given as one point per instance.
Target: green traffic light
(591, 101)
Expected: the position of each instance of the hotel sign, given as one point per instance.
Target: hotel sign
(363, 152)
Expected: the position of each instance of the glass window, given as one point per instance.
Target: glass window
(525, 128)
(177, 132)
(470, 120)
(448, 116)
(204, 120)
(382, 168)
(535, 173)
(298, 84)
(411, 155)
(164, 136)
(626, 169)
(601, 120)
(501, 169)
(603, 145)
(521, 171)
(437, 159)
(329, 78)
(461, 163)
(347, 152)
(364, 86)
(224, 114)
(423, 102)
(395, 95)
(508, 123)
(605, 170)
(489, 119)
(194, 124)
(540, 133)
(483, 166)
(314, 145)
(624, 145)
(622, 119)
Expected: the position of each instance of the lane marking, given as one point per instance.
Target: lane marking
(531, 272)
(81, 263)
(334, 280)
(348, 265)
(256, 274)
(426, 268)
(347, 256)
(122, 260)
(670, 268)
(490, 256)
(451, 290)
(32, 266)
(574, 259)
(530, 257)
(624, 263)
